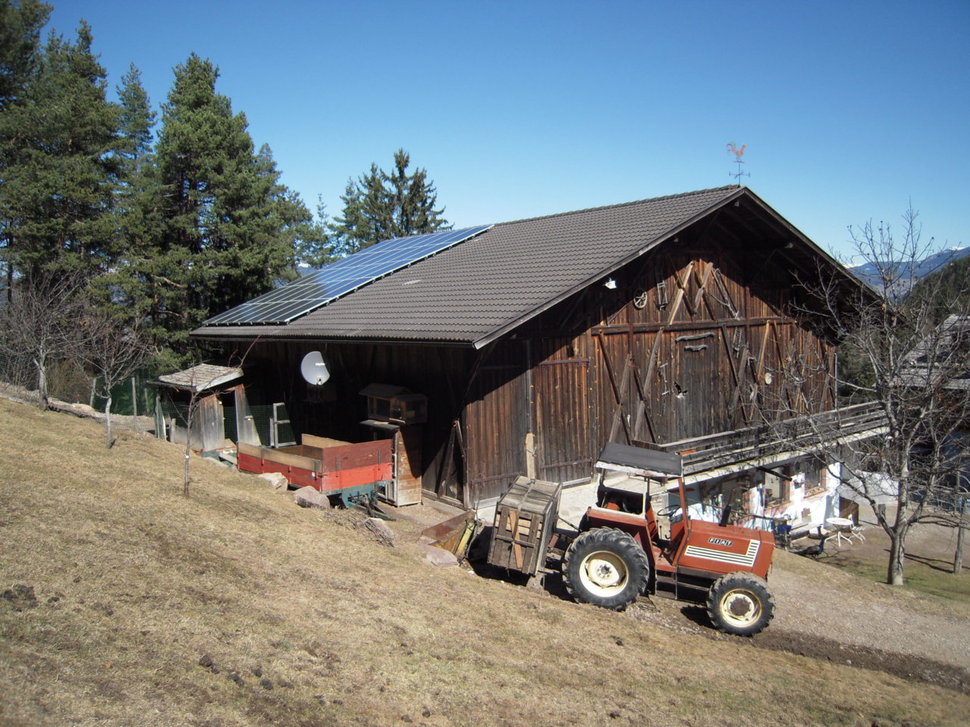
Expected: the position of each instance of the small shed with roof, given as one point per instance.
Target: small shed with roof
(676, 322)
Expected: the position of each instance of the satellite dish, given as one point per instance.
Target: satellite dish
(314, 369)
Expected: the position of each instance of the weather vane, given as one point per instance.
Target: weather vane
(738, 153)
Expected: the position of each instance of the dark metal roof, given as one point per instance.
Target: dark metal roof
(624, 457)
(483, 288)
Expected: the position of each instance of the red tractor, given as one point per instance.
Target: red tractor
(620, 552)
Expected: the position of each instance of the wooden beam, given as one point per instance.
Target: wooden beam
(714, 325)
(702, 284)
(679, 295)
(642, 414)
(618, 393)
(618, 412)
(734, 374)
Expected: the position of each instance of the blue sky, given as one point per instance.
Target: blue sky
(850, 111)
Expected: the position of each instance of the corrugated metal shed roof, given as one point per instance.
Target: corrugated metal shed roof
(480, 289)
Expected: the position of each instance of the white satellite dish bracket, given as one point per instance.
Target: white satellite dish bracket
(314, 369)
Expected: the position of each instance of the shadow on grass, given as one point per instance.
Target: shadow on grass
(697, 614)
(944, 566)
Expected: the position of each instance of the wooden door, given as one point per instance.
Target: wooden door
(561, 406)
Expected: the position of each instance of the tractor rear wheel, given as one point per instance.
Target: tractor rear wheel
(605, 567)
(740, 604)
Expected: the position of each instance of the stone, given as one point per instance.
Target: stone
(310, 497)
(438, 557)
(382, 531)
(276, 479)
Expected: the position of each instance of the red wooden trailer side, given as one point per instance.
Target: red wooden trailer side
(327, 469)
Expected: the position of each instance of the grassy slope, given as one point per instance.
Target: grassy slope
(134, 584)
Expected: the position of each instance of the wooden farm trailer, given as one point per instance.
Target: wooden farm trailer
(341, 469)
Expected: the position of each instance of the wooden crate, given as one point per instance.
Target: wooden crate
(525, 520)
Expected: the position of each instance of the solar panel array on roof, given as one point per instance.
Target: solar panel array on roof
(344, 276)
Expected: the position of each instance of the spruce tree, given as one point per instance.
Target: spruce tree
(297, 227)
(58, 164)
(381, 205)
(413, 198)
(316, 248)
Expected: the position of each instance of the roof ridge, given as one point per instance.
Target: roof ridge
(621, 204)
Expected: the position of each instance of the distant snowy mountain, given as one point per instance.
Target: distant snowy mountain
(910, 271)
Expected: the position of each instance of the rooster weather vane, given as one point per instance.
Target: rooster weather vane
(738, 153)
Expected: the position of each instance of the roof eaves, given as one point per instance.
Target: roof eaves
(373, 339)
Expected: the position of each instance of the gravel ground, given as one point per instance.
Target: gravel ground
(847, 609)
(831, 615)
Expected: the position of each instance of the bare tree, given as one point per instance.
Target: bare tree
(40, 323)
(896, 354)
(113, 350)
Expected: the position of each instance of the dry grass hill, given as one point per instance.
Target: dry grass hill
(125, 603)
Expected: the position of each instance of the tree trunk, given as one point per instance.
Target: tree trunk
(897, 553)
(958, 555)
(107, 421)
(41, 383)
(185, 467)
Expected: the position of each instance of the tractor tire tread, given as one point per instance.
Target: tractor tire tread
(622, 545)
(754, 585)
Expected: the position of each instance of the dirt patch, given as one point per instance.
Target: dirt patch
(688, 618)
(904, 666)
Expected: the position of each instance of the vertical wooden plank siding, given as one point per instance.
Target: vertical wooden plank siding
(562, 411)
(496, 423)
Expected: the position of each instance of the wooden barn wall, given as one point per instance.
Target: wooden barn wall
(704, 347)
(336, 408)
(528, 414)
(689, 343)
(497, 420)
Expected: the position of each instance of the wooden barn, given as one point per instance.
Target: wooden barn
(679, 322)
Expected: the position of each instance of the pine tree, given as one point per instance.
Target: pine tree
(305, 235)
(316, 248)
(228, 230)
(20, 26)
(133, 282)
(58, 162)
(379, 206)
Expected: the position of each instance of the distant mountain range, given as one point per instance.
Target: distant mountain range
(908, 272)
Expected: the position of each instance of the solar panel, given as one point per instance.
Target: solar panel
(340, 278)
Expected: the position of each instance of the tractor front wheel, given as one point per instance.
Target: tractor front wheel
(740, 604)
(605, 567)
